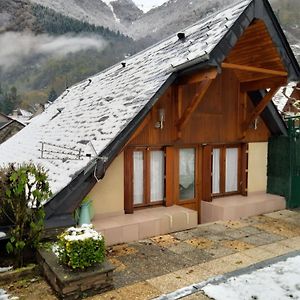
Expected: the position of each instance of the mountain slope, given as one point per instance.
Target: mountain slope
(15, 16)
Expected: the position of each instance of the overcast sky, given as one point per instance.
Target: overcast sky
(146, 5)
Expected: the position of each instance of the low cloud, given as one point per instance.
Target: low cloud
(17, 47)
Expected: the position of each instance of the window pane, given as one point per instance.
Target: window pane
(157, 169)
(216, 171)
(138, 177)
(186, 174)
(231, 170)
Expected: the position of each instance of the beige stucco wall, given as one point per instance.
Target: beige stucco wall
(257, 167)
(108, 194)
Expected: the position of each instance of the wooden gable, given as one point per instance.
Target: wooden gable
(225, 113)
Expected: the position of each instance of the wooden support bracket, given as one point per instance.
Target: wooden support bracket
(260, 107)
(253, 69)
(199, 76)
(203, 87)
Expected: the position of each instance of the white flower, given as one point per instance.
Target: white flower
(82, 233)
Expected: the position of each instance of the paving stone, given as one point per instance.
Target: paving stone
(194, 274)
(256, 220)
(237, 261)
(139, 291)
(250, 230)
(258, 255)
(147, 249)
(237, 245)
(120, 250)
(148, 267)
(165, 240)
(198, 256)
(184, 235)
(218, 266)
(276, 248)
(235, 234)
(290, 244)
(181, 248)
(294, 220)
(215, 227)
(112, 295)
(236, 224)
(219, 251)
(118, 264)
(168, 283)
(254, 240)
(262, 238)
(218, 237)
(125, 277)
(200, 242)
(280, 227)
(281, 214)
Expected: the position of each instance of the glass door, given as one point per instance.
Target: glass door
(186, 174)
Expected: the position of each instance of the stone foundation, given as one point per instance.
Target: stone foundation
(70, 284)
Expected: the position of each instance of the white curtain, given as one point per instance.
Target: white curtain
(187, 173)
(138, 177)
(231, 170)
(216, 171)
(157, 173)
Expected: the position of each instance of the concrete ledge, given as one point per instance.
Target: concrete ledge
(145, 223)
(236, 207)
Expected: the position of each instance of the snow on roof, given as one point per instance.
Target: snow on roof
(281, 98)
(99, 108)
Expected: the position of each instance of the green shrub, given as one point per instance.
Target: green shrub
(23, 190)
(82, 247)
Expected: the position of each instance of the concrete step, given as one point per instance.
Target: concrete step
(236, 207)
(145, 223)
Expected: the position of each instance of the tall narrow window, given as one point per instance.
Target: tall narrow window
(225, 170)
(157, 174)
(216, 171)
(138, 177)
(231, 182)
(186, 174)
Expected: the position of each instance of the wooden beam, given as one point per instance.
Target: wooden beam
(260, 107)
(253, 69)
(204, 85)
(179, 107)
(263, 84)
(199, 76)
(144, 123)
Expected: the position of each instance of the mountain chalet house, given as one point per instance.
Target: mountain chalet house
(171, 137)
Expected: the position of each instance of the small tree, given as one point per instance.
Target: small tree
(23, 189)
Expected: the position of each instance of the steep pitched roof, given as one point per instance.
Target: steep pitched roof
(97, 115)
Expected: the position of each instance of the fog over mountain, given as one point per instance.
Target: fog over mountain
(51, 44)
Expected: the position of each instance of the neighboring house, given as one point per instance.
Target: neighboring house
(21, 115)
(181, 128)
(8, 127)
(287, 99)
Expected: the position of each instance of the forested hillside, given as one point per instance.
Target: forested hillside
(37, 75)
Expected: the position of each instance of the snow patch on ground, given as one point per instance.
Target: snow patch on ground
(5, 296)
(5, 269)
(279, 281)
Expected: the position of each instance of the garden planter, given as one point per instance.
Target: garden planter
(75, 284)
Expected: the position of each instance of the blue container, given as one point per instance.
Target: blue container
(85, 217)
